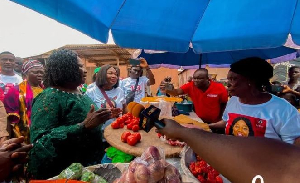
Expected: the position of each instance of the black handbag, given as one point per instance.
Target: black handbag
(130, 96)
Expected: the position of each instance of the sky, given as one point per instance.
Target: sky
(26, 33)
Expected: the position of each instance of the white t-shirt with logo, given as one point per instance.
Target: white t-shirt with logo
(127, 85)
(275, 119)
(15, 79)
(116, 96)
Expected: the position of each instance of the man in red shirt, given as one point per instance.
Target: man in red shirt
(209, 97)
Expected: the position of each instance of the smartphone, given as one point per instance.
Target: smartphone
(134, 62)
(277, 89)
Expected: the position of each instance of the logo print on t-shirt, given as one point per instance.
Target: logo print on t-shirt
(212, 95)
(244, 126)
(106, 105)
(138, 89)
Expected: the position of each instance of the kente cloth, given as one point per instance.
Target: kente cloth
(18, 104)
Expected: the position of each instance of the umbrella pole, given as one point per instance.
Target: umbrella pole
(200, 61)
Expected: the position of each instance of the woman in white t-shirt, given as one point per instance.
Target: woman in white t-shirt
(252, 111)
(107, 93)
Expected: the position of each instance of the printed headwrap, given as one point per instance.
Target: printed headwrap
(30, 64)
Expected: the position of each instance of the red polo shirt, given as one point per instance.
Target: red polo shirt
(207, 104)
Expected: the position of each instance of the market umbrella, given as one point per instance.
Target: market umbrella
(191, 60)
(171, 25)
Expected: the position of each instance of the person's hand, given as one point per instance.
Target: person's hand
(95, 118)
(286, 89)
(13, 154)
(143, 63)
(171, 129)
(2, 139)
(115, 112)
(162, 87)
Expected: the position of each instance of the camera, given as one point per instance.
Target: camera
(276, 88)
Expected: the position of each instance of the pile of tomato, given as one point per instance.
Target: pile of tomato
(132, 123)
(128, 119)
(204, 172)
(131, 138)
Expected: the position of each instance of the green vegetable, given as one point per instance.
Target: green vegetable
(118, 156)
(87, 176)
(74, 171)
(99, 179)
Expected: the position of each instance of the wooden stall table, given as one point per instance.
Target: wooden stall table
(113, 137)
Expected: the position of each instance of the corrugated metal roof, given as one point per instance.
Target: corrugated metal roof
(96, 53)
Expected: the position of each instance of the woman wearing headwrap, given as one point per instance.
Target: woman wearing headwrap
(18, 101)
(270, 116)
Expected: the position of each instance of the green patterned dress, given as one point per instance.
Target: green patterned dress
(57, 138)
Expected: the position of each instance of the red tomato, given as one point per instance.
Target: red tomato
(159, 135)
(132, 140)
(204, 169)
(121, 125)
(203, 163)
(138, 136)
(136, 122)
(198, 170)
(214, 172)
(201, 178)
(115, 125)
(119, 120)
(124, 136)
(127, 122)
(128, 115)
(219, 179)
(192, 166)
(129, 126)
(210, 176)
(135, 128)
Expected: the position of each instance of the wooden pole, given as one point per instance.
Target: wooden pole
(118, 61)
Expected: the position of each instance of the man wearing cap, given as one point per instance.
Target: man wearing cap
(135, 85)
(8, 78)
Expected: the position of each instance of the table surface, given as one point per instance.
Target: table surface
(113, 137)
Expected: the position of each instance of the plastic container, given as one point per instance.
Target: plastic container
(184, 107)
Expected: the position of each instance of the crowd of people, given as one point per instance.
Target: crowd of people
(46, 115)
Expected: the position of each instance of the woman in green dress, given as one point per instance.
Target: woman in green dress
(65, 127)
